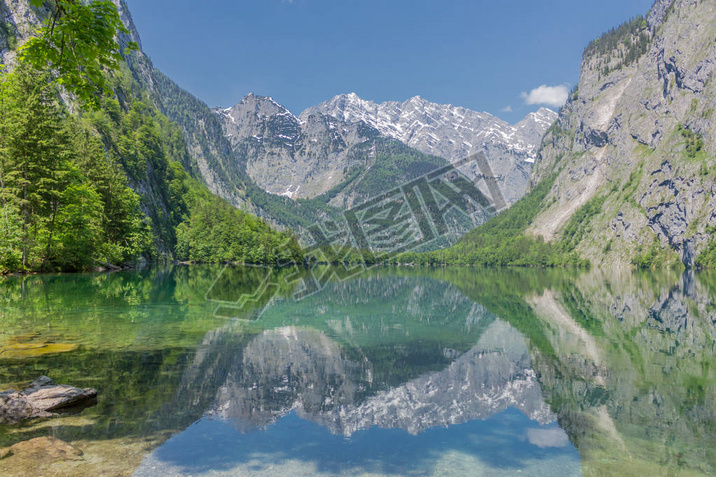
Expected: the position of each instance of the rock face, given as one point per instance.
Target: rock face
(40, 399)
(639, 136)
(287, 157)
(451, 132)
(344, 162)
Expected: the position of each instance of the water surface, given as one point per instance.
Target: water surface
(394, 372)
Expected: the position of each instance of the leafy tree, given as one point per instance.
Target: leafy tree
(80, 233)
(78, 42)
(10, 239)
(34, 153)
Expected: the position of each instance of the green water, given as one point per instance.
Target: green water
(395, 372)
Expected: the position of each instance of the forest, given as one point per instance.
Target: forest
(92, 175)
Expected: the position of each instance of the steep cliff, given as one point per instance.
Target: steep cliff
(632, 153)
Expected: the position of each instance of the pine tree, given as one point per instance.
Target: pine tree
(35, 165)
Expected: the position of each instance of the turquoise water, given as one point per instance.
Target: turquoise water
(393, 372)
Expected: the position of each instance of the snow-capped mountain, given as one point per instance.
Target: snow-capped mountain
(452, 133)
(304, 159)
(314, 153)
(443, 130)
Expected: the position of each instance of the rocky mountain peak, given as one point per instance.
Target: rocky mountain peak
(451, 132)
(260, 118)
(534, 125)
(443, 130)
(262, 107)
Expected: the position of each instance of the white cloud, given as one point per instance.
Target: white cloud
(554, 96)
(544, 438)
(507, 109)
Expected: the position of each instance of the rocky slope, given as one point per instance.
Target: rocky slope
(451, 132)
(633, 149)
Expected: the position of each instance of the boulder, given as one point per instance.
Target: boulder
(40, 399)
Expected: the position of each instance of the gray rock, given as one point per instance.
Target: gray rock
(40, 398)
(658, 13)
(285, 156)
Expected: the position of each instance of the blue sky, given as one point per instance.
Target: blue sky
(482, 55)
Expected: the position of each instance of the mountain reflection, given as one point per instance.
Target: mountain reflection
(354, 369)
(623, 362)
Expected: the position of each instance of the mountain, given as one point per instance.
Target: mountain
(451, 132)
(626, 176)
(632, 154)
(343, 163)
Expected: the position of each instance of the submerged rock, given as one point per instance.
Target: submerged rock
(43, 448)
(41, 398)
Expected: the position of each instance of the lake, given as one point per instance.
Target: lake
(206, 370)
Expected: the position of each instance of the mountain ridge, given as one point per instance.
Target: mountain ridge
(451, 132)
(391, 117)
(320, 159)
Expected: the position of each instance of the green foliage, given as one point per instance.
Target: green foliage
(10, 239)
(78, 43)
(578, 225)
(8, 31)
(79, 227)
(70, 201)
(707, 258)
(655, 256)
(502, 241)
(217, 232)
(391, 164)
(296, 214)
(694, 142)
(627, 42)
